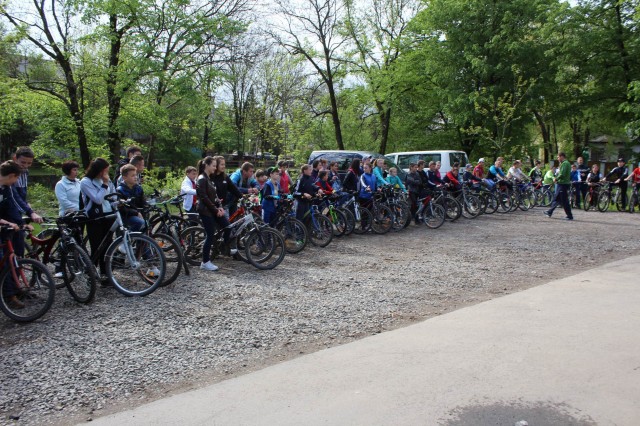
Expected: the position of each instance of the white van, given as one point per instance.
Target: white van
(446, 159)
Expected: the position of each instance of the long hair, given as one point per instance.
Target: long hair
(206, 161)
(96, 167)
(355, 166)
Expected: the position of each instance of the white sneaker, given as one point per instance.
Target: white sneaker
(122, 249)
(233, 251)
(58, 275)
(153, 272)
(208, 266)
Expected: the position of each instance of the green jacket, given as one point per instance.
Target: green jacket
(564, 176)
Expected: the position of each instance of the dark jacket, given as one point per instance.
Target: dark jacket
(305, 186)
(351, 181)
(414, 182)
(618, 173)
(226, 190)
(136, 197)
(433, 178)
(208, 203)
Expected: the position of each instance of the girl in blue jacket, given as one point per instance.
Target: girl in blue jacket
(270, 195)
(368, 184)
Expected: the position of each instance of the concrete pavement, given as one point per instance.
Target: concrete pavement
(567, 352)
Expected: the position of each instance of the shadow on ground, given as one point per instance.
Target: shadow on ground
(518, 413)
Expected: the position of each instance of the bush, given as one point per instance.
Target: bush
(43, 200)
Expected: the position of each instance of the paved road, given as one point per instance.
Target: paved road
(564, 353)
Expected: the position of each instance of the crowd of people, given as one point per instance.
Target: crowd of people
(213, 194)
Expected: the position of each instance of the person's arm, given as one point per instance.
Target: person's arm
(203, 195)
(377, 172)
(20, 199)
(187, 187)
(94, 193)
(66, 205)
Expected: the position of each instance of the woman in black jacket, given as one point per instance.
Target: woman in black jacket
(210, 211)
(353, 177)
(305, 190)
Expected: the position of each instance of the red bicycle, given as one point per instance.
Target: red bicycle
(26, 285)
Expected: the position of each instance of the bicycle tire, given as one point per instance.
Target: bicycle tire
(633, 200)
(350, 220)
(37, 290)
(434, 216)
(603, 202)
(547, 197)
(294, 233)
(363, 225)
(452, 207)
(471, 207)
(401, 215)
(173, 255)
(382, 219)
(617, 198)
(264, 248)
(504, 201)
(320, 233)
(133, 280)
(193, 240)
(492, 203)
(339, 222)
(79, 274)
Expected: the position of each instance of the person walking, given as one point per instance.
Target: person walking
(563, 183)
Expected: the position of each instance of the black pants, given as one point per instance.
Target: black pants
(561, 197)
(97, 231)
(623, 192)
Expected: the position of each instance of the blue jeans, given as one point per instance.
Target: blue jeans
(561, 197)
(134, 223)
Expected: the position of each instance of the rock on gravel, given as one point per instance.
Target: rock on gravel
(80, 361)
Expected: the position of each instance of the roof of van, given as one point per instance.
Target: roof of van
(424, 152)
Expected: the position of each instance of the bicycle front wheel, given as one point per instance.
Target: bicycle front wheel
(79, 274)
(603, 202)
(320, 230)
(382, 219)
(173, 256)
(350, 221)
(264, 248)
(141, 274)
(294, 233)
(31, 296)
(363, 224)
(434, 216)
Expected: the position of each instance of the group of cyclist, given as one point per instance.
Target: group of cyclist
(213, 194)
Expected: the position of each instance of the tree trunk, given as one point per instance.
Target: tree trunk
(546, 138)
(334, 114)
(114, 99)
(384, 115)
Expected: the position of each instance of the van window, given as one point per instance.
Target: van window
(405, 159)
(458, 157)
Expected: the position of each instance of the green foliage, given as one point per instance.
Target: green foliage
(43, 200)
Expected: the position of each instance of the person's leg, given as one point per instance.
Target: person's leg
(209, 229)
(576, 187)
(566, 203)
(623, 190)
(555, 201)
(135, 223)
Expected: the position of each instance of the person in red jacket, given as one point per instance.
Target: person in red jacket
(451, 178)
(323, 182)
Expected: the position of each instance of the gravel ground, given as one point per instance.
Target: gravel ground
(80, 362)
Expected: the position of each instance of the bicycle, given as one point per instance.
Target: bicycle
(362, 217)
(395, 201)
(263, 247)
(60, 245)
(27, 288)
(165, 229)
(135, 263)
(319, 227)
(592, 197)
(294, 232)
(337, 217)
(633, 199)
(430, 212)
